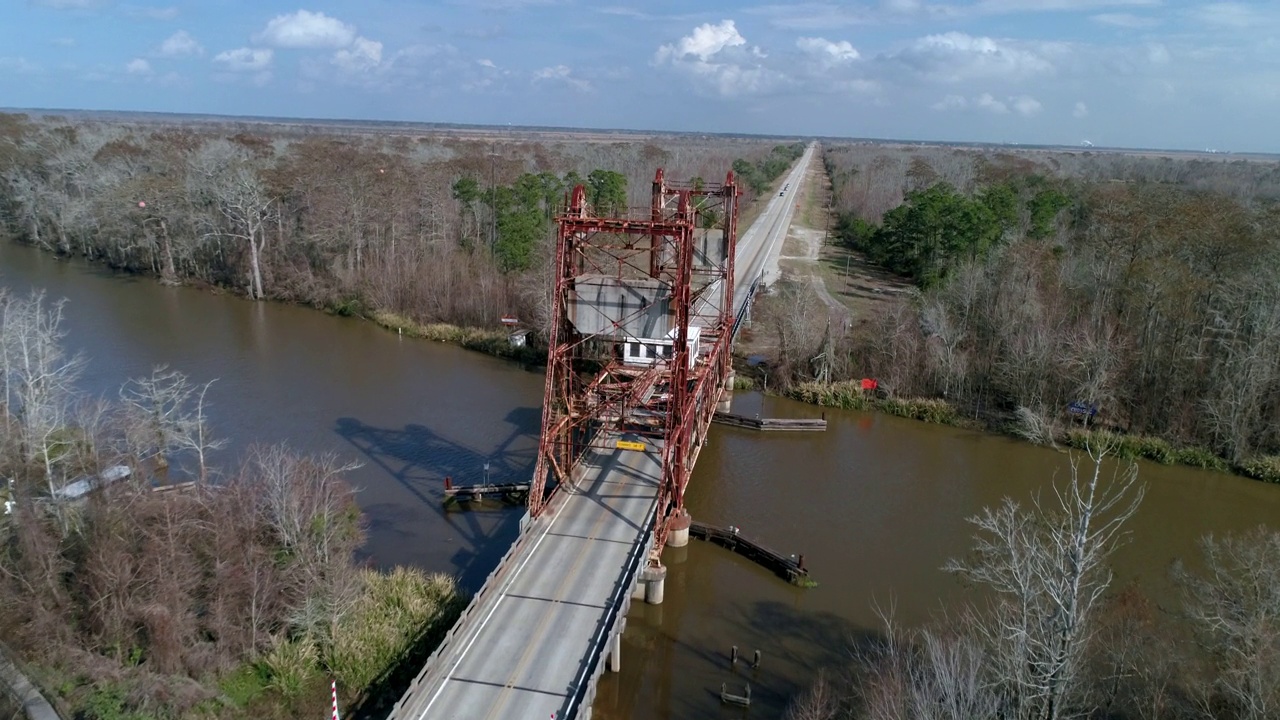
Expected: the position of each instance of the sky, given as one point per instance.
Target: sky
(1174, 74)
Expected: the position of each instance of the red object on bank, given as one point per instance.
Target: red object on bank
(869, 384)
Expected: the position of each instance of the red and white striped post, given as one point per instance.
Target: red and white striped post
(334, 687)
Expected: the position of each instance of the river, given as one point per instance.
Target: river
(876, 504)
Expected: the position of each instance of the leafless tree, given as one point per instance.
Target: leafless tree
(1234, 604)
(1047, 566)
(159, 418)
(39, 377)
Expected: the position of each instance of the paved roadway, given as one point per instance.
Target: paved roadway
(530, 637)
(760, 246)
(533, 632)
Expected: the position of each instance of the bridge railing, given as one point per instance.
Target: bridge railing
(472, 604)
(618, 606)
(746, 305)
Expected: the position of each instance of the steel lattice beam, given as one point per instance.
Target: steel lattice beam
(684, 243)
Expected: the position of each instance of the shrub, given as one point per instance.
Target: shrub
(393, 613)
(289, 665)
(1262, 467)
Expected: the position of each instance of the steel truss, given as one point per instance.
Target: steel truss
(686, 240)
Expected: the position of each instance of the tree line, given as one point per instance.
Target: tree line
(1156, 303)
(436, 228)
(760, 174)
(221, 595)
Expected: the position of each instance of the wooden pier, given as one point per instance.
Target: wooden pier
(771, 424)
(508, 492)
(787, 567)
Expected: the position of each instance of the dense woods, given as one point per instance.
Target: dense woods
(439, 227)
(181, 591)
(1147, 288)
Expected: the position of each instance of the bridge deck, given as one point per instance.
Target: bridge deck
(529, 638)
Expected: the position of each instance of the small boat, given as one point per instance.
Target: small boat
(82, 486)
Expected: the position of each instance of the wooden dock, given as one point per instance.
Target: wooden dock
(508, 492)
(771, 424)
(788, 567)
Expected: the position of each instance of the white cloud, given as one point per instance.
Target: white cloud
(1026, 105)
(1124, 20)
(244, 59)
(180, 44)
(64, 42)
(138, 66)
(149, 13)
(19, 66)
(70, 4)
(1158, 54)
(717, 57)
(951, 102)
(990, 104)
(561, 73)
(305, 29)
(826, 51)
(956, 56)
(1228, 15)
(363, 55)
(486, 62)
(1080, 111)
(705, 41)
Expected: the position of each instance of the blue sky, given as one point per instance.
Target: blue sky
(1133, 73)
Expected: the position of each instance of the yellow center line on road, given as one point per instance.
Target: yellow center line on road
(540, 631)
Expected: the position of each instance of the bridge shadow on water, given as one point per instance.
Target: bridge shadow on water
(419, 458)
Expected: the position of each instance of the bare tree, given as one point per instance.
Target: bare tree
(159, 418)
(1047, 566)
(228, 181)
(39, 377)
(1234, 604)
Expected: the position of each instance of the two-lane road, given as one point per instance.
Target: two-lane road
(760, 245)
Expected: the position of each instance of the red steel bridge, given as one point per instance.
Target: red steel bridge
(644, 311)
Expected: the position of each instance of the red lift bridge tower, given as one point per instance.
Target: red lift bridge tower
(641, 323)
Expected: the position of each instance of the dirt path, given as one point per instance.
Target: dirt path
(851, 286)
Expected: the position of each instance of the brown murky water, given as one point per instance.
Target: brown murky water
(876, 504)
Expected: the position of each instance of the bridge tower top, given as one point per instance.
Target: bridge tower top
(641, 318)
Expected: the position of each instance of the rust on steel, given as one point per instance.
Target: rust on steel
(658, 282)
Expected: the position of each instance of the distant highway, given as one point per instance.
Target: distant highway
(761, 244)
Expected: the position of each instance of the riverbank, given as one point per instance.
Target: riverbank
(849, 395)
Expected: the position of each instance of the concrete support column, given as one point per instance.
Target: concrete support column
(615, 653)
(655, 580)
(678, 530)
(726, 395)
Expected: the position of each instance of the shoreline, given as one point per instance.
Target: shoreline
(848, 395)
(844, 394)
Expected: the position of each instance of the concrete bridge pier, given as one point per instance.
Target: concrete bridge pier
(726, 395)
(654, 578)
(678, 530)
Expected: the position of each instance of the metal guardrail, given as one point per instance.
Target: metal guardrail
(475, 602)
(746, 306)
